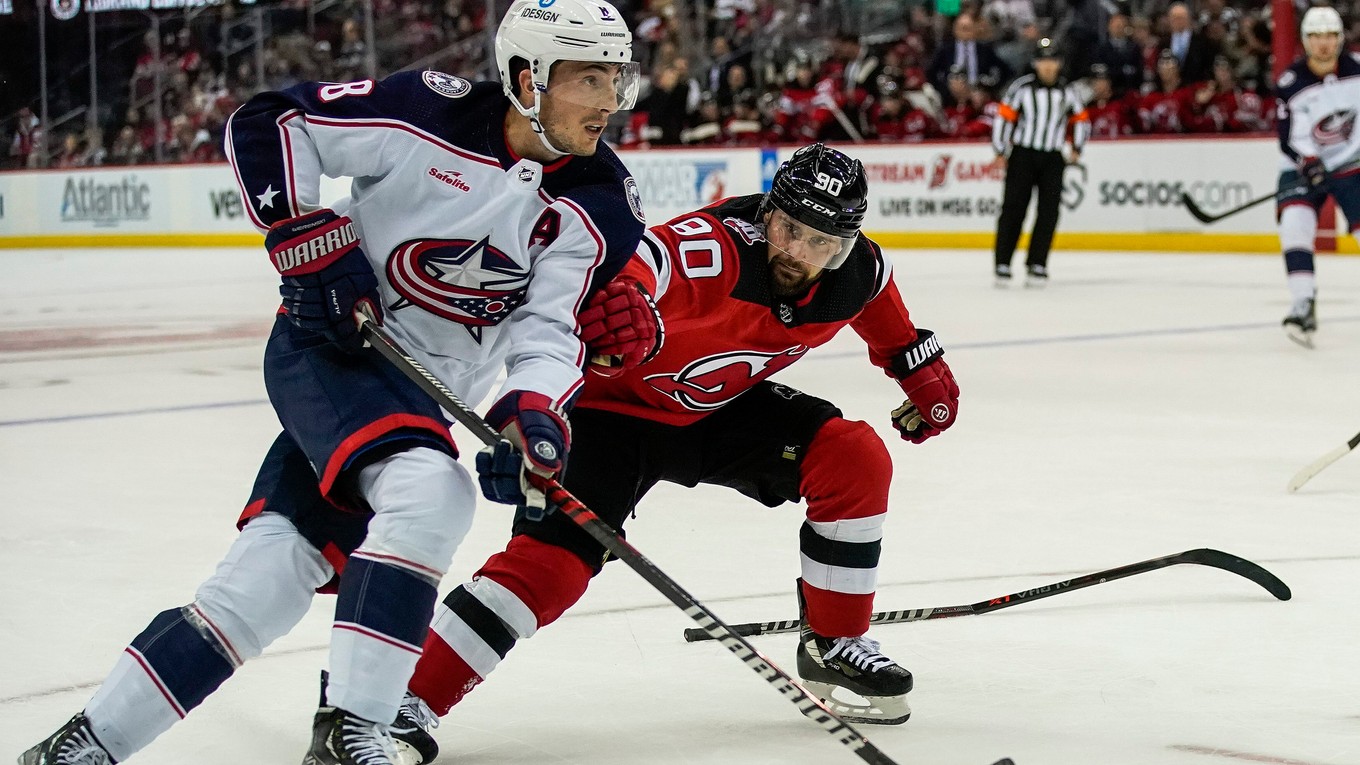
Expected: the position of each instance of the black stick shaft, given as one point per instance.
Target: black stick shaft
(1204, 217)
(1203, 556)
(711, 625)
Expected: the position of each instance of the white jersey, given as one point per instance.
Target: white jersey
(1317, 115)
(483, 258)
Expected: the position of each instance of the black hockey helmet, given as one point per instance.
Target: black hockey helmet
(821, 188)
(824, 190)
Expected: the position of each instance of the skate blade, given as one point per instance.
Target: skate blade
(1299, 336)
(408, 755)
(870, 710)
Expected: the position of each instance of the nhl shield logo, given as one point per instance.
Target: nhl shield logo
(446, 85)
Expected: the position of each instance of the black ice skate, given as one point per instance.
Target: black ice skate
(73, 744)
(853, 664)
(1003, 275)
(340, 738)
(410, 731)
(1036, 276)
(1301, 322)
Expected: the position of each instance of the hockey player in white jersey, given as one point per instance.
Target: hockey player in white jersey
(480, 220)
(1319, 99)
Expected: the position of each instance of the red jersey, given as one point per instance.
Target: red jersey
(1162, 112)
(981, 124)
(1111, 119)
(918, 125)
(955, 118)
(725, 331)
(1242, 111)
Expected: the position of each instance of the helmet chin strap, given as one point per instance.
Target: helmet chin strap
(532, 114)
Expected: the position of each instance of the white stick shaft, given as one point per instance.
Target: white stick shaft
(1316, 466)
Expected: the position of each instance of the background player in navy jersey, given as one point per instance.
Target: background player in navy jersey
(1317, 96)
(479, 219)
(744, 289)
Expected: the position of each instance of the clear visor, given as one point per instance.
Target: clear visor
(597, 85)
(806, 244)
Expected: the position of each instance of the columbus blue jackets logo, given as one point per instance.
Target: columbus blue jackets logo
(471, 283)
(446, 84)
(630, 190)
(713, 381)
(1335, 128)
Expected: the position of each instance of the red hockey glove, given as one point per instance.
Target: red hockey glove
(326, 277)
(537, 438)
(932, 395)
(1313, 171)
(621, 327)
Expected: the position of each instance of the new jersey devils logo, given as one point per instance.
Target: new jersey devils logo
(939, 171)
(1335, 128)
(471, 283)
(712, 381)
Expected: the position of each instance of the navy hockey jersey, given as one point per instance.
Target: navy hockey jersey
(1317, 115)
(483, 258)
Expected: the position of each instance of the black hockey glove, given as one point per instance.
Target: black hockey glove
(1313, 171)
(326, 276)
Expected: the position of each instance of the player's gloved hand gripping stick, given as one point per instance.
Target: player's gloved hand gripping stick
(326, 276)
(534, 440)
(811, 707)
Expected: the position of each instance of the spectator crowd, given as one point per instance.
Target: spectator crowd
(1177, 68)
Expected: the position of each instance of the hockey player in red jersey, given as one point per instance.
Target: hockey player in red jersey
(744, 288)
(1166, 109)
(1111, 117)
(1238, 110)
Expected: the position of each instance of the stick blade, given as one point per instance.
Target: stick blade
(1194, 210)
(1240, 566)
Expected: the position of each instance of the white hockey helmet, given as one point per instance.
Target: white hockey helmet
(1320, 20)
(543, 32)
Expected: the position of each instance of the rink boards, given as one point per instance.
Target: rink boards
(1124, 195)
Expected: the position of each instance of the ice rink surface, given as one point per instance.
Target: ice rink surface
(1141, 405)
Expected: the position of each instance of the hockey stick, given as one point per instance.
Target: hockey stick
(715, 628)
(846, 125)
(1316, 466)
(1203, 556)
(1204, 217)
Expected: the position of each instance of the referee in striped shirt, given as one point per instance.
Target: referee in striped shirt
(1031, 127)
